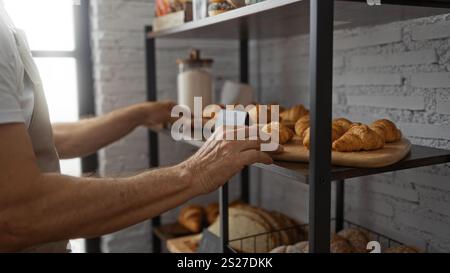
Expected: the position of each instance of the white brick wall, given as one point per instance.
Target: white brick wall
(377, 79)
(397, 102)
(431, 80)
(377, 36)
(396, 59)
(437, 131)
(119, 73)
(443, 107)
(429, 32)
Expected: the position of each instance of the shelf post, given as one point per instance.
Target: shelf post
(340, 205)
(223, 209)
(321, 84)
(152, 136)
(244, 77)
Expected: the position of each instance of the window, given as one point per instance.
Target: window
(49, 25)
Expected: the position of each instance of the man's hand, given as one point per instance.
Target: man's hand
(218, 160)
(154, 113)
(87, 136)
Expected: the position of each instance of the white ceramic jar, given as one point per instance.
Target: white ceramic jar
(200, 9)
(195, 79)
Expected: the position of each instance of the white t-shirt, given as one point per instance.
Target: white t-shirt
(16, 94)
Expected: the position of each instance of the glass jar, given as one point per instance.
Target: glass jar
(195, 79)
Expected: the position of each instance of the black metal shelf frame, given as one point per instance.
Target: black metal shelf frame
(320, 173)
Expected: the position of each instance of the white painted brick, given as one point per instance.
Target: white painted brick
(338, 62)
(396, 102)
(364, 203)
(438, 206)
(369, 79)
(426, 130)
(390, 190)
(425, 179)
(335, 98)
(414, 219)
(370, 38)
(386, 227)
(432, 31)
(443, 107)
(397, 59)
(431, 80)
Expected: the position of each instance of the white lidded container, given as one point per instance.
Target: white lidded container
(195, 79)
(200, 9)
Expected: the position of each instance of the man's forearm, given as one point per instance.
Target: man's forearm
(65, 208)
(87, 136)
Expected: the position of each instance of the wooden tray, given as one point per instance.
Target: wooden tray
(390, 154)
(187, 244)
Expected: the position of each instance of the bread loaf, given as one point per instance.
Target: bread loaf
(212, 211)
(357, 238)
(402, 249)
(244, 224)
(337, 245)
(340, 245)
(191, 217)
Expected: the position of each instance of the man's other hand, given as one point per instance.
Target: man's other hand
(218, 160)
(154, 113)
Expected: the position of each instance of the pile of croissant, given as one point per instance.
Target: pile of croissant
(347, 136)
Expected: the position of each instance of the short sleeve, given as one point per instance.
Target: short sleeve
(10, 107)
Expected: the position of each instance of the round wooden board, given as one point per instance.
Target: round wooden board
(390, 154)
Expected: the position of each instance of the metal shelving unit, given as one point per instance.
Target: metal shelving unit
(284, 18)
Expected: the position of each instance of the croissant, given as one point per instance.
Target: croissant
(380, 130)
(293, 114)
(256, 113)
(285, 134)
(358, 138)
(301, 126)
(337, 130)
(387, 130)
(191, 217)
(344, 123)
